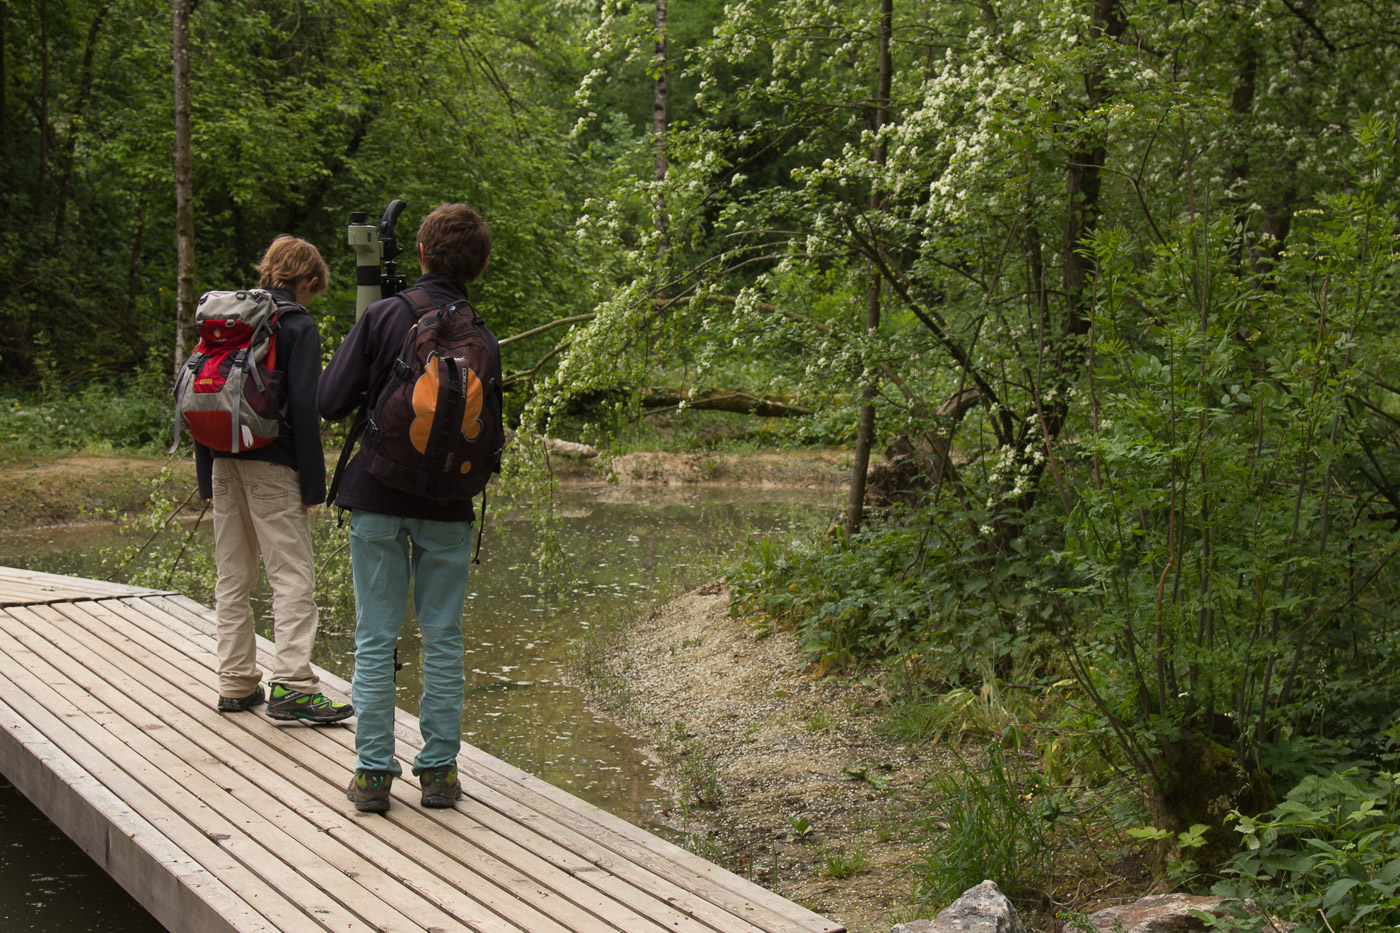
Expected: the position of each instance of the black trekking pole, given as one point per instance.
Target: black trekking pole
(372, 246)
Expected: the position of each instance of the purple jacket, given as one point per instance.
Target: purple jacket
(364, 361)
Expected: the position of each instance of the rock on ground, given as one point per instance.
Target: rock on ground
(1163, 913)
(982, 909)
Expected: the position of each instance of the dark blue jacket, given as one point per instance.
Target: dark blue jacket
(298, 444)
(363, 361)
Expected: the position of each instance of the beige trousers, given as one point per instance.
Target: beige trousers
(257, 507)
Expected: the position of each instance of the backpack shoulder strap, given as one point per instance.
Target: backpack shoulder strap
(418, 300)
(465, 305)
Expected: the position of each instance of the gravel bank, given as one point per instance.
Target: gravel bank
(755, 751)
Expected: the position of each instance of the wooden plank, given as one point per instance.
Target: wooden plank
(163, 879)
(671, 905)
(652, 864)
(497, 851)
(200, 855)
(21, 587)
(328, 791)
(290, 839)
(290, 740)
(257, 793)
(222, 847)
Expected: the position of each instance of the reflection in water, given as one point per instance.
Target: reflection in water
(47, 883)
(628, 546)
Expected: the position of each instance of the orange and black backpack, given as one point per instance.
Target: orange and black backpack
(435, 429)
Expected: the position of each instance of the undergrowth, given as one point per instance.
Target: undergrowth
(129, 415)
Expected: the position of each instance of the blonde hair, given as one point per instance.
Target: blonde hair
(290, 261)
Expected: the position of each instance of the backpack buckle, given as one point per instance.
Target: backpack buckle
(372, 432)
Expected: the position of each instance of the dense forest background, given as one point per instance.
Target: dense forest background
(1112, 281)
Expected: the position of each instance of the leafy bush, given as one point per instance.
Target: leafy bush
(1327, 857)
(1206, 548)
(124, 416)
(937, 617)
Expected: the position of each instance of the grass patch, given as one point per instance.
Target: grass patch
(992, 832)
(688, 767)
(842, 865)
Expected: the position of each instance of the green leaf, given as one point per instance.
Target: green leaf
(1337, 891)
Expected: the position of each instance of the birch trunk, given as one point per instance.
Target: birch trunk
(184, 187)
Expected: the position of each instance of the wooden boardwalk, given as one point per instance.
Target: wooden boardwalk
(235, 822)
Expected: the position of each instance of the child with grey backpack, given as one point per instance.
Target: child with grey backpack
(261, 500)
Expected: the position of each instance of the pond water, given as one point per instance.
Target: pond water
(628, 547)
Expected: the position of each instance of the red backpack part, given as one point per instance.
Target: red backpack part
(436, 428)
(228, 394)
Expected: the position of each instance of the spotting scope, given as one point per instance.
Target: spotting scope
(372, 247)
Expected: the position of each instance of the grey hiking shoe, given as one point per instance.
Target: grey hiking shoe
(369, 791)
(440, 787)
(239, 704)
(288, 705)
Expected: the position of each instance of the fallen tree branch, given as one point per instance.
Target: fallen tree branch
(766, 406)
(513, 378)
(562, 322)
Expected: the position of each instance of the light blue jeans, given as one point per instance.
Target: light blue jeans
(386, 551)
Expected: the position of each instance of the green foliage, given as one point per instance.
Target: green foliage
(301, 113)
(1206, 545)
(990, 712)
(170, 546)
(1327, 857)
(801, 827)
(1181, 871)
(994, 831)
(135, 416)
(688, 768)
(842, 865)
(1225, 552)
(886, 595)
(166, 549)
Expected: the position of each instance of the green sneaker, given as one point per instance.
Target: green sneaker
(440, 787)
(289, 705)
(369, 791)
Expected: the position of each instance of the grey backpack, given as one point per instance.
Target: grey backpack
(228, 394)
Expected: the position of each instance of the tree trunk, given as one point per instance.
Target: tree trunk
(865, 429)
(184, 187)
(766, 406)
(4, 108)
(658, 126)
(75, 125)
(43, 182)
